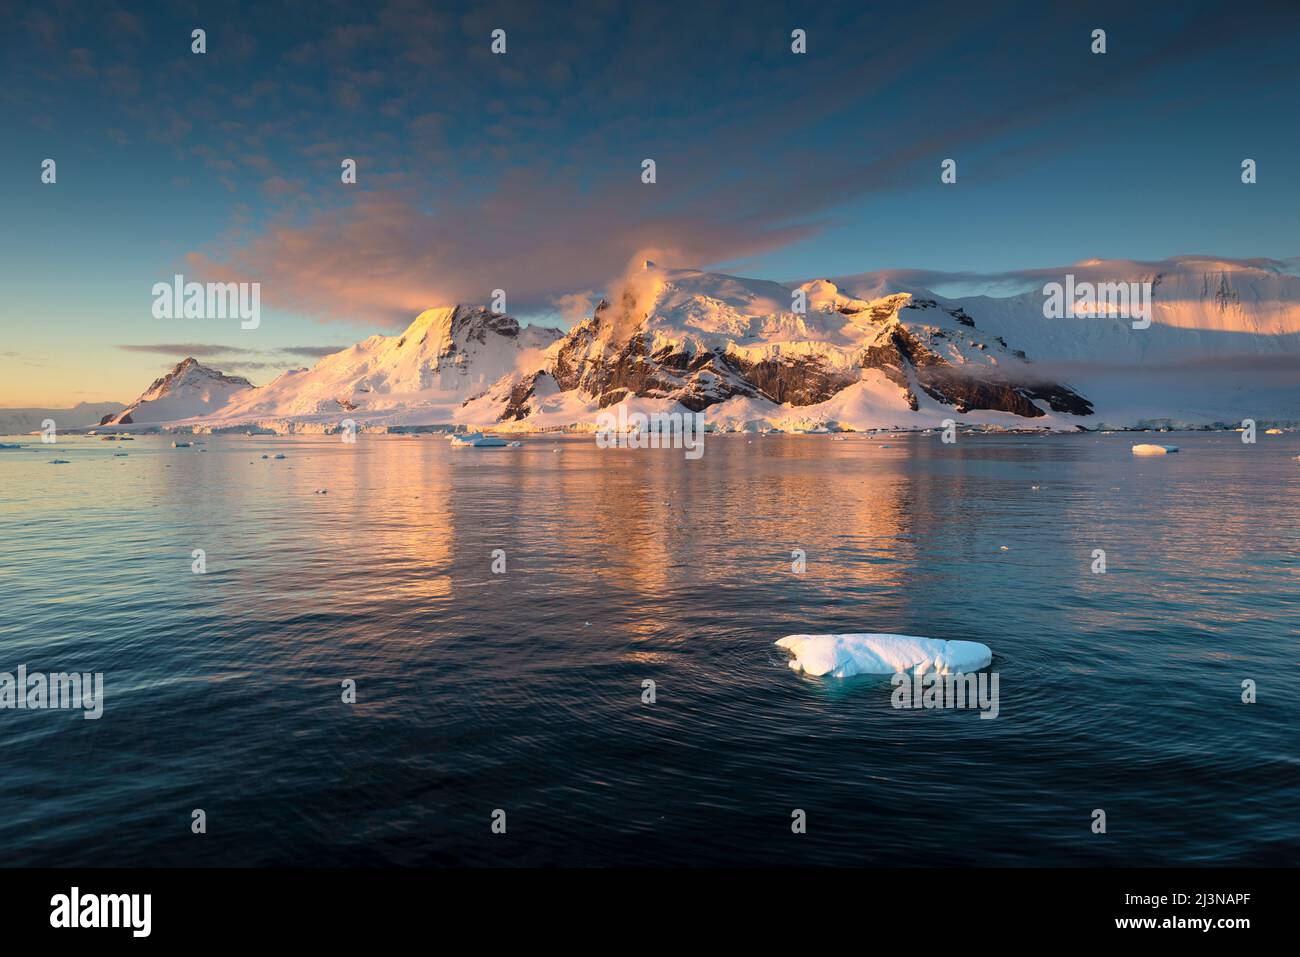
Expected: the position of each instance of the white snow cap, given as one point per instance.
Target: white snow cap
(842, 656)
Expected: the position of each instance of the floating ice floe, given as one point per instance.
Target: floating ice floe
(1154, 449)
(842, 656)
(59, 462)
(9, 445)
(180, 445)
(477, 440)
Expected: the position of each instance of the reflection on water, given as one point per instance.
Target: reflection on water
(522, 690)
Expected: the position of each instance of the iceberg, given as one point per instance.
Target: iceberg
(477, 440)
(1154, 449)
(842, 656)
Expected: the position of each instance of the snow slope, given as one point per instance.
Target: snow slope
(444, 357)
(191, 389)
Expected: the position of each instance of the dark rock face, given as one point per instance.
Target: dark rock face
(518, 405)
(113, 417)
(964, 392)
(893, 358)
(988, 389)
(797, 380)
(699, 378)
(695, 379)
(1059, 398)
(476, 324)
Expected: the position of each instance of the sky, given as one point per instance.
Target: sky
(522, 171)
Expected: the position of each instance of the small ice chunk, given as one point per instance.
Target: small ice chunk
(842, 656)
(478, 441)
(1154, 449)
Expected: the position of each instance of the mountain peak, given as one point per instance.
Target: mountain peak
(190, 368)
(189, 389)
(448, 327)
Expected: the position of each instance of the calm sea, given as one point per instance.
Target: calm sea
(522, 691)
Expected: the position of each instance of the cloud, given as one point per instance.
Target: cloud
(232, 356)
(574, 306)
(386, 257)
(311, 352)
(1015, 281)
(195, 349)
(529, 177)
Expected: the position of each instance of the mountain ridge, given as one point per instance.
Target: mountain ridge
(862, 352)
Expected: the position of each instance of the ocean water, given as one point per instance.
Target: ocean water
(522, 691)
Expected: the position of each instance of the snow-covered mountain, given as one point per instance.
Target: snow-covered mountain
(190, 390)
(445, 356)
(1224, 344)
(22, 421)
(755, 350)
